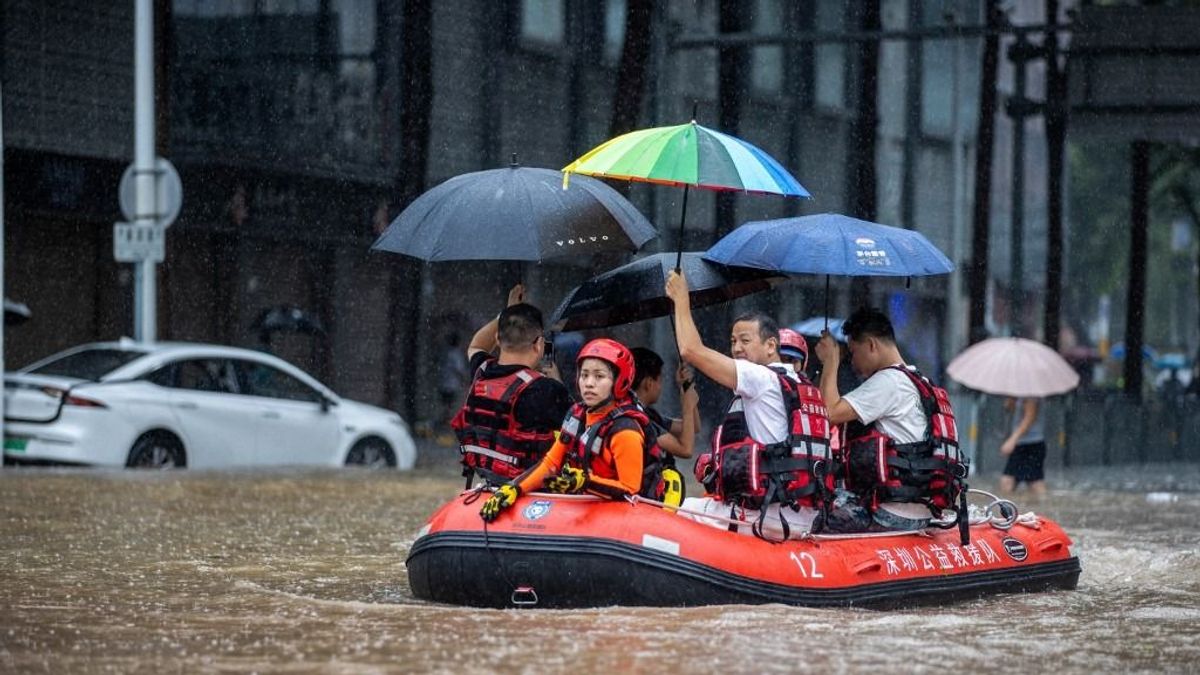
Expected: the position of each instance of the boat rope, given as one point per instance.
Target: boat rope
(1000, 513)
(470, 497)
(803, 536)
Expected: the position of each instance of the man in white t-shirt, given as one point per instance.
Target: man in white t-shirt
(888, 398)
(754, 350)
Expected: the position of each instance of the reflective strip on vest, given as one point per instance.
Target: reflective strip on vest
(498, 456)
(570, 427)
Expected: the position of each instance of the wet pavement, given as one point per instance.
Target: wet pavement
(303, 571)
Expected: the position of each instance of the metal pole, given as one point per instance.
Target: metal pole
(1135, 303)
(1017, 111)
(955, 301)
(146, 208)
(977, 277)
(1, 267)
(1056, 139)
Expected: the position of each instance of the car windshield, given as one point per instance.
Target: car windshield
(89, 364)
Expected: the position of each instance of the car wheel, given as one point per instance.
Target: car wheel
(157, 451)
(371, 453)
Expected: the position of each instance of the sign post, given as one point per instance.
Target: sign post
(150, 192)
(2, 385)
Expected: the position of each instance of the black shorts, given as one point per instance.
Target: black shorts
(1027, 463)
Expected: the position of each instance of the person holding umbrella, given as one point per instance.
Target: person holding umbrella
(511, 411)
(1025, 448)
(676, 436)
(768, 451)
(1025, 372)
(891, 449)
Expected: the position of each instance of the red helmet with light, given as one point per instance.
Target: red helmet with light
(615, 354)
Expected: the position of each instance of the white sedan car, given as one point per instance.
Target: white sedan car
(195, 405)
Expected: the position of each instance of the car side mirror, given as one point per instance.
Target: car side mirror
(326, 404)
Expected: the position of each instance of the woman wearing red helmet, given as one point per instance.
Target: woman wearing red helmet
(601, 447)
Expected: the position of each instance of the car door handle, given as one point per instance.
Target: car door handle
(186, 406)
(271, 415)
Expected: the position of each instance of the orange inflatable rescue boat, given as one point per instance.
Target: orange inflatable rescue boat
(560, 551)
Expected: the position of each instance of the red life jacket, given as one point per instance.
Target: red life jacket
(795, 472)
(585, 444)
(493, 444)
(930, 471)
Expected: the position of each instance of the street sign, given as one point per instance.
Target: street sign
(169, 189)
(135, 243)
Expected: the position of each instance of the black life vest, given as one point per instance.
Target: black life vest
(795, 472)
(930, 471)
(493, 444)
(585, 443)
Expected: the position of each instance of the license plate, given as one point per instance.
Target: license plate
(13, 444)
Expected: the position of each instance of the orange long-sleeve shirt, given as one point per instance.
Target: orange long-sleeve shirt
(616, 471)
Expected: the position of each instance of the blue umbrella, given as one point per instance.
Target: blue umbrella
(830, 243)
(1118, 352)
(813, 326)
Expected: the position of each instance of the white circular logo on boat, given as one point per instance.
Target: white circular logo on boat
(1015, 549)
(537, 509)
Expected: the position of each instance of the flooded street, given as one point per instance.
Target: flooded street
(304, 572)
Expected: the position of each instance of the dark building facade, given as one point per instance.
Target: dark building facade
(283, 118)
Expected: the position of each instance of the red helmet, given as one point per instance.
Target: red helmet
(705, 471)
(793, 344)
(615, 354)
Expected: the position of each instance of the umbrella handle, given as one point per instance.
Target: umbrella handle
(826, 302)
(679, 240)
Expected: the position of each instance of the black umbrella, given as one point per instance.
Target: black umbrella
(636, 291)
(515, 213)
(15, 313)
(285, 319)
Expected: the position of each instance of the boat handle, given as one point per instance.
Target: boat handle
(524, 596)
(1050, 545)
(868, 566)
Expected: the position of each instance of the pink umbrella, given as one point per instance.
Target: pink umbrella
(1010, 366)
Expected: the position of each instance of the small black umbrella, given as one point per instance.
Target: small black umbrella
(285, 319)
(516, 213)
(636, 291)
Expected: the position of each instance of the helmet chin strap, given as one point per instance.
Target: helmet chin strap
(601, 404)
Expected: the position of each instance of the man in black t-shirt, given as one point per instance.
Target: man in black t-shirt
(676, 436)
(512, 410)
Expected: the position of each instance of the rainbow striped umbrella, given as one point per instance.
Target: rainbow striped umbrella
(688, 155)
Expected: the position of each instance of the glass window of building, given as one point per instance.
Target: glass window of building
(831, 56)
(218, 8)
(284, 78)
(767, 61)
(614, 29)
(937, 77)
(543, 21)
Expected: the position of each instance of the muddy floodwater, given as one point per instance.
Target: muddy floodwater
(291, 572)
